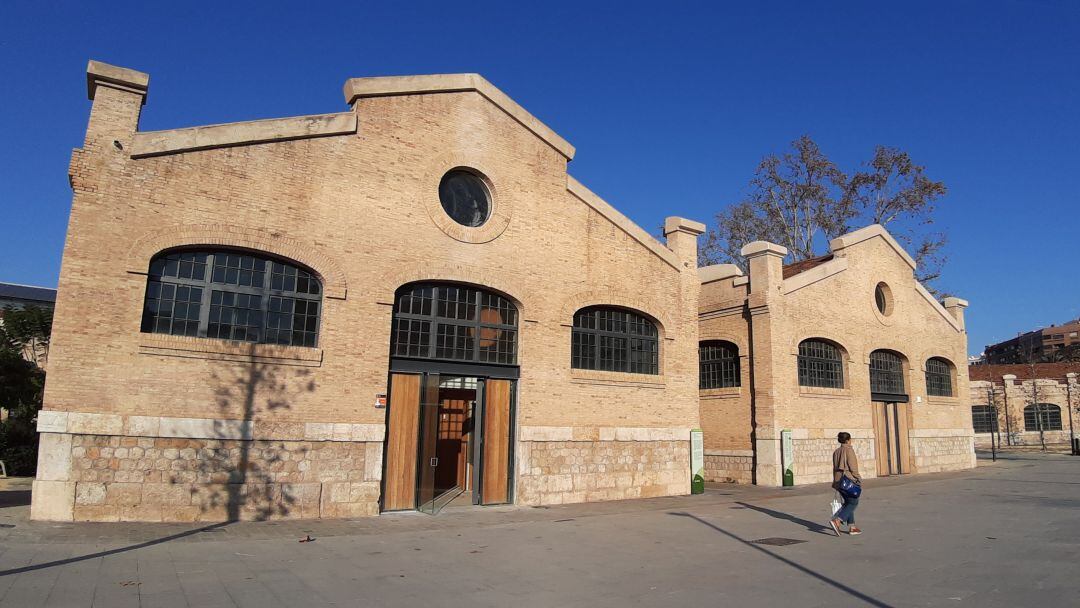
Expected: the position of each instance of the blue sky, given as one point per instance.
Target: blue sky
(670, 105)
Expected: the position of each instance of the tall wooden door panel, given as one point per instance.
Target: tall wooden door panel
(495, 488)
(401, 443)
(902, 438)
(891, 438)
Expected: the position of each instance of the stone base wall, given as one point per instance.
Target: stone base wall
(936, 454)
(729, 466)
(982, 440)
(116, 478)
(813, 459)
(559, 472)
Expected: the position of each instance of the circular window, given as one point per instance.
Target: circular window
(883, 299)
(465, 198)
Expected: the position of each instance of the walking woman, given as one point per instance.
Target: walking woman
(845, 464)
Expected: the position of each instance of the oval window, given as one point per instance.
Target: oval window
(465, 198)
(883, 299)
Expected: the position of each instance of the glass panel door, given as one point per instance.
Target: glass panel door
(428, 454)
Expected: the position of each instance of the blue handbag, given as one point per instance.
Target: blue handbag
(848, 488)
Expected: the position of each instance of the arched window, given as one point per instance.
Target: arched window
(886, 373)
(455, 323)
(616, 340)
(1042, 417)
(938, 377)
(233, 295)
(820, 364)
(718, 364)
(984, 419)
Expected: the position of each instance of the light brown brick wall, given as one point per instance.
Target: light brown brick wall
(840, 308)
(356, 209)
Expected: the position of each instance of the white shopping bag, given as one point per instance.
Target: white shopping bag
(835, 505)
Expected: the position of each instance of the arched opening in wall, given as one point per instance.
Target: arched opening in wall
(613, 339)
(939, 377)
(231, 294)
(718, 365)
(891, 412)
(1042, 417)
(450, 415)
(820, 364)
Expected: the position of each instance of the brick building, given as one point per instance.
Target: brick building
(1046, 344)
(1024, 405)
(401, 306)
(849, 341)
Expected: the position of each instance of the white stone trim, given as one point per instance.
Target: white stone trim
(383, 86)
(546, 433)
(624, 223)
(809, 277)
(203, 428)
(735, 453)
(88, 423)
(718, 272)
(604, 433)
(938, 307)
(939, 433)
(157, 143)
(847, 240)
(336, 431)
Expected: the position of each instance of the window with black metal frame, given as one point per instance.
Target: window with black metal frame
(820, 364)
(616, 340)
(451, 322)
(718, 365)
(886, 375)
(938, 378)
(232, 295)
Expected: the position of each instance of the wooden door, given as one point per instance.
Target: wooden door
(891, 438)
(399, 475)
(495, 488)
(903, 414)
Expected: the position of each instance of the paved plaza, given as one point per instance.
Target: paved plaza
(1005, 534)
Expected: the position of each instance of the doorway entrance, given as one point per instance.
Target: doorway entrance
(891, 438)
(453, 371)
(449, 442)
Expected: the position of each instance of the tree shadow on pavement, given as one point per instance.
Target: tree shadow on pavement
(142, 545)
(811, 526)
(821, 577)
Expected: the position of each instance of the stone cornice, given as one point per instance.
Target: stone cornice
(624, 223)
(809, 277)
(174, 141)
(384, 86)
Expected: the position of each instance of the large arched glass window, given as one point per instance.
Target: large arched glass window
(938, 377)
(455, 323)
(1042, 417)
(233, 295)
(820, 364)
(616, 340)
(886, 373)
(984, 419)
(718, 364)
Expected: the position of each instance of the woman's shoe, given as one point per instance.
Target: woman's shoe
(854, 531)
(835, 524)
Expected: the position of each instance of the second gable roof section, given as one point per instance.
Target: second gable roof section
(383, 86)
(624, 223)
(190, 139)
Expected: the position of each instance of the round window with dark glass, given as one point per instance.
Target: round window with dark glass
(883, 299)
(465, 198)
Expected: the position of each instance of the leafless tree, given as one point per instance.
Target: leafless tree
(801, 199)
